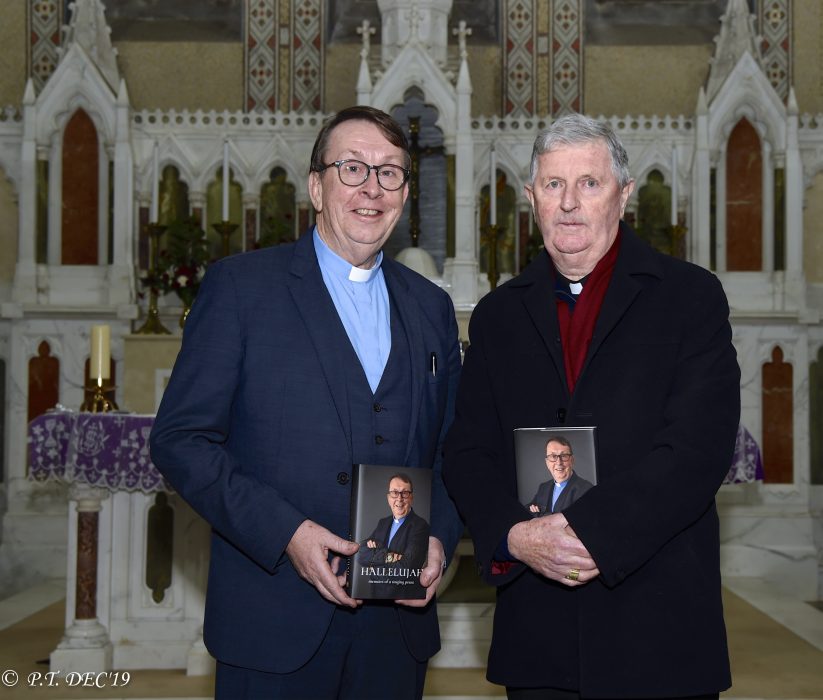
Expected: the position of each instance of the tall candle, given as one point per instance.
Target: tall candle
(225, 180)
(492, 187)
(155, 185)
(674, 185)
(100, 352)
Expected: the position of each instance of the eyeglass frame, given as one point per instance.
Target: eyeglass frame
(405, 494)
(337, 163)
(563, 457)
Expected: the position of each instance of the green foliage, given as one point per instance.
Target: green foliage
(182, 264)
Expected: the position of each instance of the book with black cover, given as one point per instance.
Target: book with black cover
(390, 516)
(543, 465)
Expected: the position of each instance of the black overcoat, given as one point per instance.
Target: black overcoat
(662, 385)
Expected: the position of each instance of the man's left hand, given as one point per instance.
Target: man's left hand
(430, 576)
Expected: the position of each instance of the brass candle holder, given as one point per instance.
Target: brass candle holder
(225, 229)
(99, 402)
(153, 325)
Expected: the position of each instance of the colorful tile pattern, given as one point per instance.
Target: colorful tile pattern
(45, 19)
(307, 55)
(775, 21)
(261, 55)
(518, 58)
(567, 56)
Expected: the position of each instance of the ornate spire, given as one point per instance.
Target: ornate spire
(89, 30)
(737, 36)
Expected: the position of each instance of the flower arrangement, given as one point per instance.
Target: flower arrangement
(182, 264)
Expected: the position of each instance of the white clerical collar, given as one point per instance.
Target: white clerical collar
(341, 268)
(575, 287)
(358, 274)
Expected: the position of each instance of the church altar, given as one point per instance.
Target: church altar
(137, 554)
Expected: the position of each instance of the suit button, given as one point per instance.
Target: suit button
(342, 478)
(378, 439)
(561, 415)
(377, 408)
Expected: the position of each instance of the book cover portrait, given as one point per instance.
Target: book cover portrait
(555, 467)
(390, 515)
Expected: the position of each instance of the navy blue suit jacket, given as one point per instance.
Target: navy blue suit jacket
(576, 487)
(411, 540)
(254, 432)
(662, 385)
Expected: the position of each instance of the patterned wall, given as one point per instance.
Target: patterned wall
(567, 56)
(260, 55)
(307, 55)
(284, 48)
(542, 57)
(520, 29)
(774, 25)
(45, 17)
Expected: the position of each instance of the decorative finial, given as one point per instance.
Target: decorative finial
(366, 30)
(461, 33)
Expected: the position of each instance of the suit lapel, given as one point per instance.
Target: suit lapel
(409, 312)
(315, 305)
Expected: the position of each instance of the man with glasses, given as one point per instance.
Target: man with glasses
(401, 537)
(565, 485)
(297, 362)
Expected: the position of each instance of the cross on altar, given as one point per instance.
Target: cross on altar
(416, 152)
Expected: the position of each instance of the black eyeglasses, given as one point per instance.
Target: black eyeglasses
(400, 494)
(563, 457)
(355, 172)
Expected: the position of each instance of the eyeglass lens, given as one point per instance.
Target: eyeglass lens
(355, 172)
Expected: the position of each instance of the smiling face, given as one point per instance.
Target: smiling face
(355, 222)
(401, 503)
(577, 204)
(561, 469)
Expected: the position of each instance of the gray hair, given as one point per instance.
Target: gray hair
(573, 129)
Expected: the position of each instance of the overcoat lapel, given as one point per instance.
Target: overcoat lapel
(316, 308)
(634, 261)
(409, 312)
(539, 302)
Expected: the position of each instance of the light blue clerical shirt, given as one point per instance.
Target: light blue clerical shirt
(556, 491)
(395, 526)
(362, 302)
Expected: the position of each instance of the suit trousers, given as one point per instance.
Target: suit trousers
(362, 657)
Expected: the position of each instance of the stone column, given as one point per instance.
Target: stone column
(85, 645)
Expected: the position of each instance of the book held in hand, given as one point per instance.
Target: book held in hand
(555, 467)
(390, 515)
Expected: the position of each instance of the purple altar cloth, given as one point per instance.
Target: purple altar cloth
(107, 450)
(747, 466)
(111, 450)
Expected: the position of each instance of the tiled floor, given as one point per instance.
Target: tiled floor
(776, 646)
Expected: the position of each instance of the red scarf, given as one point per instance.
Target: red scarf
(577, 329)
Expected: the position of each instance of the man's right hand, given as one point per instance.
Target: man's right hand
(549, 546)
(309, 550)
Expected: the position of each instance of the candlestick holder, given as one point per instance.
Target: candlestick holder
(491, 238)
(99, 403)
(153, 325)
(225, 229)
